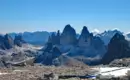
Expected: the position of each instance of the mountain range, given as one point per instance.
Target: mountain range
(64, 48)
(41, 37)
(35, 38)
(87, 48)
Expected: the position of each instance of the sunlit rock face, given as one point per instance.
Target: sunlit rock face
(117, 48)
(68, 36)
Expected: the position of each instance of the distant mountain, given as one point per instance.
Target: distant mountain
(35, 38)
(118, 48)
(107, 35)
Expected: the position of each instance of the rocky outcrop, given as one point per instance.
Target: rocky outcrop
(67, 61)
(68, 36)
(88, 45)
(49, 54)
(49, 57)
(19, 40)
(8, 41)
(2, 45)
(124, 62)
(117, 48)
(54, 38)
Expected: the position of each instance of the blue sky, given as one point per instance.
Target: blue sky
(51, 15)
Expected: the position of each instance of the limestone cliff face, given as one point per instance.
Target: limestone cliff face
(68, 36)
(88, 45)
(54, 38)
(85, 38)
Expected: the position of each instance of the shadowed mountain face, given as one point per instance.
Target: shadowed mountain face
(19, 40)
(48, 55)
(86, 48)
(88, 45)
(2, 46)
(85, 38)
(68, 36)
(54, 38)
(7, 42)
(117, 48)
(67, 44)
(85, 33)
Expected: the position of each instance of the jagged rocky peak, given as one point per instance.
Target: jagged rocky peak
(118, 48)
(54, 38)
(8, 41)
(85, 37)
(85, 32)
(58, 37)
(68, 36)
(68, 28)
(58, 33)
(19, 40)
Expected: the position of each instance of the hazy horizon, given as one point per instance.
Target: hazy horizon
(50, 15)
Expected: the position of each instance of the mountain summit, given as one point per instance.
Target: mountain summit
(68, 36)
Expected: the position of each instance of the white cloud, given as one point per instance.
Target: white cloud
(95, 31)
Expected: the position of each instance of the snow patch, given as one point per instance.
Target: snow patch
(113, 71)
